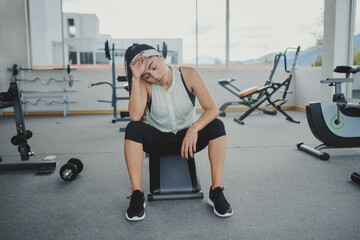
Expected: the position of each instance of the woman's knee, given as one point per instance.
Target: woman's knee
(134, 131)
(216, 129)
(217, 123)
(133, 125)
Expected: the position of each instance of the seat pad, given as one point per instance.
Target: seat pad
(247, 91)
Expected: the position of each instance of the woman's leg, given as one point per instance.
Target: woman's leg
(134, 161)
(217, 200)
(214, 136)
(216, 151)
(140, 137)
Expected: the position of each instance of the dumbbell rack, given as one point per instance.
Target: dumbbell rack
(48, 97)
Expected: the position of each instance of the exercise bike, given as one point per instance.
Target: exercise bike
(336, 123)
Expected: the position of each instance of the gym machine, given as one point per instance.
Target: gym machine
(12, 98)
(253, 97)
(124, 116)
(336, 124)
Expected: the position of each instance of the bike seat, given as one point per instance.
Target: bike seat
(346, 69)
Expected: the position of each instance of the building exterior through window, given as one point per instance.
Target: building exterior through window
(83, 44)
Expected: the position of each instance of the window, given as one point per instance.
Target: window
(86, 58)
(73, 57)
(211, 32)
(257, 29)
(261, 28)
(357, 35)
(71, 27)
(119, 57)
(355, 93)
(101, 58)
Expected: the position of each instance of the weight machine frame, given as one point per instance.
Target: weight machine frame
(12, 98)
(124, 116)
(264, 93)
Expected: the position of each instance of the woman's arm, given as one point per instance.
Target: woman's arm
(197, 86)
(139, 93)
(137, 100)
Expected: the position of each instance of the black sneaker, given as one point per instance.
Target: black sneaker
(217, 200)
(136, 210)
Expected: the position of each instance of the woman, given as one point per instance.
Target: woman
(162, 113)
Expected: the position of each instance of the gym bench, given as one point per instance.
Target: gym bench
(173, 177)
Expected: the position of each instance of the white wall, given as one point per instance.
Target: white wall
(13, 38)
(307, 86)
(89, 26)
(337, 43)
(76, 17)
(45, 25)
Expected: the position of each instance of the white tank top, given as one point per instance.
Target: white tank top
(171, 110)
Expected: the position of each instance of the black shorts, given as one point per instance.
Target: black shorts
(160, 143)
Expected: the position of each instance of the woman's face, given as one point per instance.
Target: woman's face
(156, 71)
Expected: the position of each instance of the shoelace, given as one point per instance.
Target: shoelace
(219, 194)
(136, 202)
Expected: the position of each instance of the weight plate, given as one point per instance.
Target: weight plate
(68, 172)
(77, 162)
(29, 134)
(107, 50)
(164, 50)
(15, 140)
(25, 148)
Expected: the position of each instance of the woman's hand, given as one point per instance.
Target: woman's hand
(188, 147)
(138, 66)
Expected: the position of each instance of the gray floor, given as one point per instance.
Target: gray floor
(276, 191)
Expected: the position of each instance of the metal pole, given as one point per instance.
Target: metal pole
(114, 98)
(197, 36)
(28, 34)
(348, 86)
(62, 33)
(351, 32)
(227, 61)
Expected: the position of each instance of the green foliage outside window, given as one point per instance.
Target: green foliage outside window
(317, 62)
(356, 59)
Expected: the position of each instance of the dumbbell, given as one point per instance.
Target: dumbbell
(355, 177)
(71, 169)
